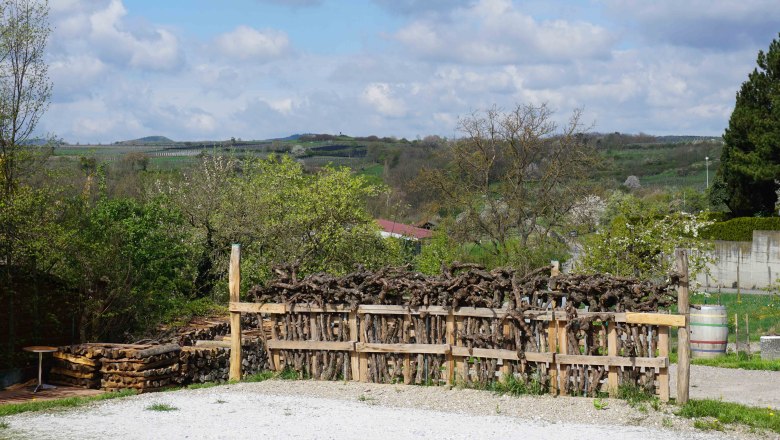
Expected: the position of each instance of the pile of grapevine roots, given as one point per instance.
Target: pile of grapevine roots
(462, 285)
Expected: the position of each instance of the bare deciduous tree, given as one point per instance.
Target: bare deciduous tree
(25, 88)
(514, 175)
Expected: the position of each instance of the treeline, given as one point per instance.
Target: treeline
(107, 252)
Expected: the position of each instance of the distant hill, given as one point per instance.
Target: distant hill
(148, 140)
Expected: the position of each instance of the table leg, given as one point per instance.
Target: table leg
(40, 372)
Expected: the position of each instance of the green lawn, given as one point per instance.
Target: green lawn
(763, 312)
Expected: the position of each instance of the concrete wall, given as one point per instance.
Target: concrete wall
(756, 264)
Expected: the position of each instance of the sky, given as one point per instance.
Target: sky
(260, 69)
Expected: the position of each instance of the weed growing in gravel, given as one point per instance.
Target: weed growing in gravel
(198, 386)
(708, 425)
(511, 385)
(260, 377)
(70, 402)
(637, 397)
(727, 412)
(364, 398)
(600, 404)
(289, 374)
(220, 401)
(4, 425)
(161, 407)
(667, 422)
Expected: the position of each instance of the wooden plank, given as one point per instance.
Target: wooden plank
(244, 307)
(506, 331)
(612, 351)
(655, 319)
(213, 344)
(552, 341)
(312, 345)
(663, 374)
(480, 312)
(234, 283)
(379, 309)
(326, 308)
(683, 337)
(406, 329)
(491, 353)
(612, 361)
(364, 347)
(563, 348)
(450, 341)
(459, 361)
(353, 356)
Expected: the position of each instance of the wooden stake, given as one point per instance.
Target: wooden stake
(663, 351)
(683, 336)
(552, 341)
(736, 333)
(747, 332)
(612, 344)
(450, 341)
(353, 356)
(234, 277)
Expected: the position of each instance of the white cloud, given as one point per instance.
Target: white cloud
(246, 43)
(497, 32)
(382, 98)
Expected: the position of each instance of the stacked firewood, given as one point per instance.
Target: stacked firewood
(140, 367)
(468, 285)
(210, 362)
(209, 329)
(76, 365)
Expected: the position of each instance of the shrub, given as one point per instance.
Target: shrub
(740, 228)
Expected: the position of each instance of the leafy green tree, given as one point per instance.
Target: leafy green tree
(750, 161)
(638, 239)
(130, 264)
(279, 214)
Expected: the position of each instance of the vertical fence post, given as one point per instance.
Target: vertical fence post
(552, 341)
(353, 355)
(683, 341)
(234, 280)
(612, 350)
(450, 342)
(663, 351)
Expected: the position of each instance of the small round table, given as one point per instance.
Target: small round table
(41, 349)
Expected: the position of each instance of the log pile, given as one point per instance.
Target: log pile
(76, 365)
(468, 285)
(140, 367)
(211, 362)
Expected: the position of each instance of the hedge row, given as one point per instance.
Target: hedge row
(740, 228)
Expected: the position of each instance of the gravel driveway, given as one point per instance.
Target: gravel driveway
(338, 410)
(749, 387)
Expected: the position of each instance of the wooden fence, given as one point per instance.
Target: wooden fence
(390, 343)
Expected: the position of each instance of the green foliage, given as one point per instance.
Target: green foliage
(739, 360)
(740, 228)
(600, 404)
(69, 402)
(750, 161)
(515, 387)
(763, 311)
(727, 413)
(639, 241)
(437, 250)
(130, 263)
(260, 377)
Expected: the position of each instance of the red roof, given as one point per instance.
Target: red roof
(402, 229)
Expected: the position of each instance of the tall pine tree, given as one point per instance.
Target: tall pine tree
(750, 161)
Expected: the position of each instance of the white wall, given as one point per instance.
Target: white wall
(755, 263)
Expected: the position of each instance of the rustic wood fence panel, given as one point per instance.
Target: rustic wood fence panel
(568, 355)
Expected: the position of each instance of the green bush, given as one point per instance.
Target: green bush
(740, 228)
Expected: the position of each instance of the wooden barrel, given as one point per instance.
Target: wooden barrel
(709, 331)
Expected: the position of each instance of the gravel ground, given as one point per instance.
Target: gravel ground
(339, 410)
(749, 387)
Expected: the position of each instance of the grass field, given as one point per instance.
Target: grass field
(763, 312)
